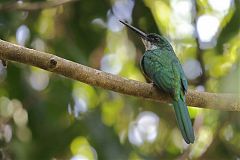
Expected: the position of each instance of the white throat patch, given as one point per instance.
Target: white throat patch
(148, 45)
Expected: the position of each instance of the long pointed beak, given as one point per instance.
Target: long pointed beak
(139, 32)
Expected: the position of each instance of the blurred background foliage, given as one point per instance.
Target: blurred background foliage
(47, 116)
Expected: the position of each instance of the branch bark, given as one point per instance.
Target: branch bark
(32, 6)
(55, 64)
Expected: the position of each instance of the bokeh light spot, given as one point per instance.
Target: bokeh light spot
(38, 44)
(207, 27)
(22, 35)
(24, 134)
(200, 88)
(79, 157)
(144, 129)
(79, 108)
(221, 6)
(5, 111)
(228, 132)
(121, 10)
(6, 133)
(3, 71)
(182, 8)
(39, 79)
(81, 149)
(192, 69)
(20, 117)
(110, 63)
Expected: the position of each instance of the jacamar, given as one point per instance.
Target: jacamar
(160, 64)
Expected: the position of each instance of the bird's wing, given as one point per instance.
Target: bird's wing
(165, 73)
(144, 70)
(165, 79)
(183, 78)
(171, 79)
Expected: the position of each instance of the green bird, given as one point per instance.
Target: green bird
(160, 64)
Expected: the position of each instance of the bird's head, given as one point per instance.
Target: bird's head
(151, 41)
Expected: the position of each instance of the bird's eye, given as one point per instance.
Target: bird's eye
(153, 38)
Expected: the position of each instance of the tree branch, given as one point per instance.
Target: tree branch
(31, 6)
(9, 51)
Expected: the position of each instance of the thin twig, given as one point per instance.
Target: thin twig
(32, 6)
(9, 51)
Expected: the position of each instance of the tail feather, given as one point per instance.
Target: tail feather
(184, 121)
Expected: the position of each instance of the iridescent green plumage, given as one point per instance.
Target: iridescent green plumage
(162, 66)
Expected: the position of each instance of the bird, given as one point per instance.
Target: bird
(161, 65)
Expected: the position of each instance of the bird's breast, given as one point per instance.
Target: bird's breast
(155, 60)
